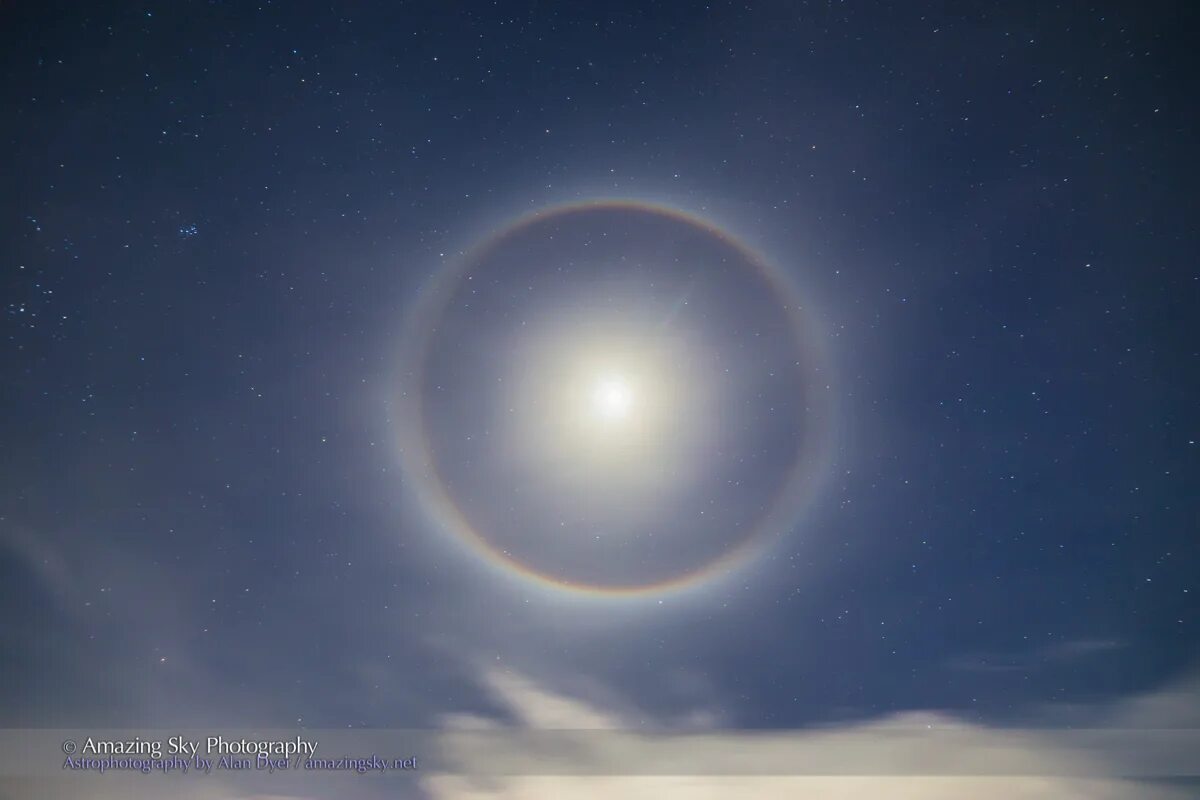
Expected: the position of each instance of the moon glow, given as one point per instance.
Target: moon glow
(612, 398)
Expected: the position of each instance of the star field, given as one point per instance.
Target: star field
(770, 365)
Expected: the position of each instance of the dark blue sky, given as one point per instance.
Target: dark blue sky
(216, 216)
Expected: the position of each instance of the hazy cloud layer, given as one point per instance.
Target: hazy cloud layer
(1055, 770)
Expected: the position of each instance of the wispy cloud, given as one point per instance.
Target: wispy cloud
(1055, 654)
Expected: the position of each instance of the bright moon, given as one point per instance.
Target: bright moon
(612, 399)
(599, 405)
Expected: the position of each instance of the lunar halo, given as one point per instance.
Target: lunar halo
(614, 399)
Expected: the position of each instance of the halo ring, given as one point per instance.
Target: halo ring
(435, 500)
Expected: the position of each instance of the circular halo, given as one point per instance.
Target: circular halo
(612, 398)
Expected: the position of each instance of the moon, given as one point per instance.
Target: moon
(612, 399)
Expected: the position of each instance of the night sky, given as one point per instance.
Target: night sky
(773, 365)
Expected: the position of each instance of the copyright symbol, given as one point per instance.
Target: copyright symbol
(68, 746)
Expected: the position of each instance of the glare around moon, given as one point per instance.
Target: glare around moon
(601, 404)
